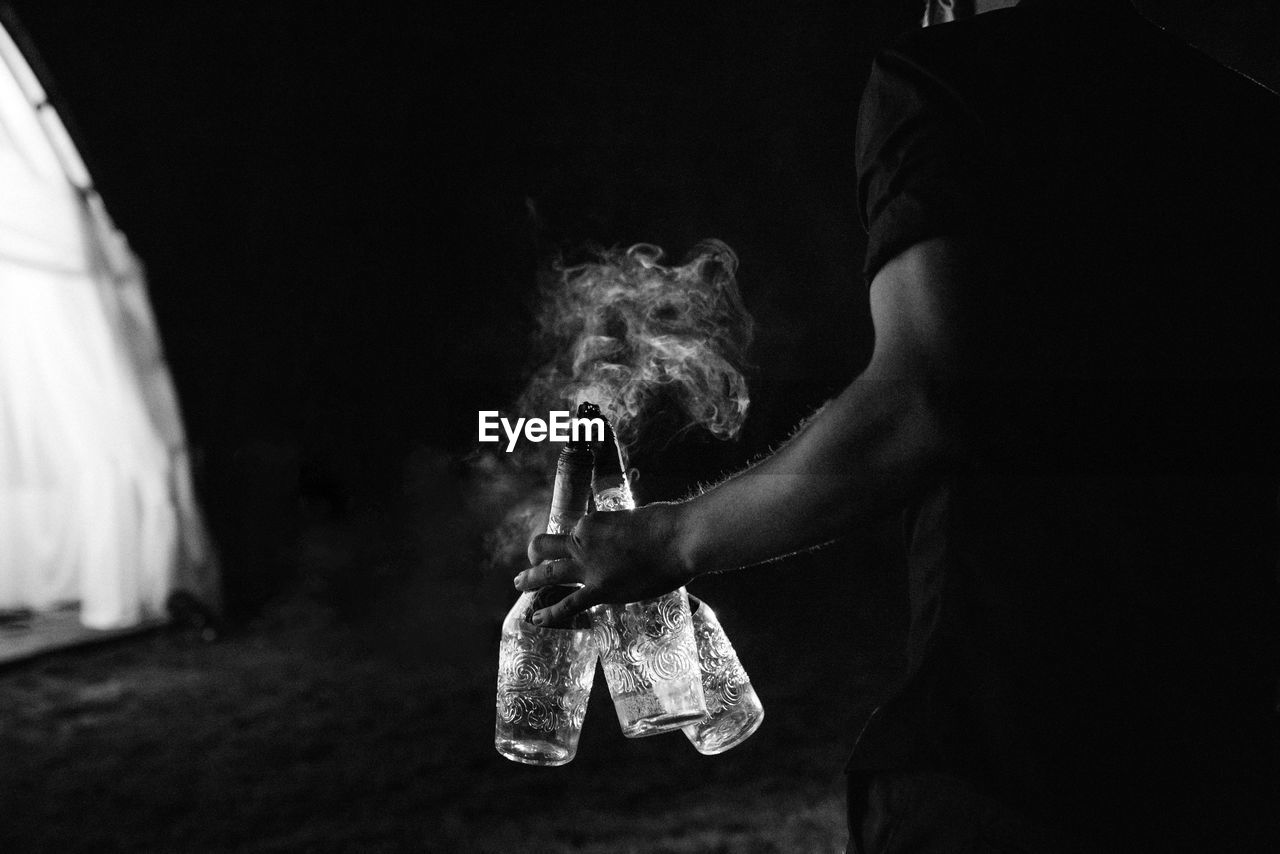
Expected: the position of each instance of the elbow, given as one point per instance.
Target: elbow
(919, 439)
(930, 428)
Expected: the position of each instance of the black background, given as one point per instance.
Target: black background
(343, 208)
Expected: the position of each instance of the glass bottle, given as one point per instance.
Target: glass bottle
(734, 711)
(647, 648)
(545, 673)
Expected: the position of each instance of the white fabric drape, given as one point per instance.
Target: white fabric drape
(96, 505)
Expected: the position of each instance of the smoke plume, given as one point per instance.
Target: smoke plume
(646, 342)
(634, 335)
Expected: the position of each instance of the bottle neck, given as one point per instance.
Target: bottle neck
(609, 482)
(614, 495)
(572, 490)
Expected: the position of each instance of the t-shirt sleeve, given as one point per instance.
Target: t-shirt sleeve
(922, 167)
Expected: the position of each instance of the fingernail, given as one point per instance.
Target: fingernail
(538, 618)
(519, 578)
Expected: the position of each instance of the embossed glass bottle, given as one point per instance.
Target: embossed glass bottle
(647, 648)
(734, 711)
(545, 674)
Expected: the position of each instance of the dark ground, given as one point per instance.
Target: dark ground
(343, 210)
(317, 729)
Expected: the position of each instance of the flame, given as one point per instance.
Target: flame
(626, 330)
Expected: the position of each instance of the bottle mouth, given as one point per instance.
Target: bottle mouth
(579, 442)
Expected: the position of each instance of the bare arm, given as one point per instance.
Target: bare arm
(862, 455)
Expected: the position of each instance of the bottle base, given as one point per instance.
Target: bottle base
(542, 753)
(727, 734)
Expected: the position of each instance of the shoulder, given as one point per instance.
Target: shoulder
(956, 51)
(949, 73)
(935, 81)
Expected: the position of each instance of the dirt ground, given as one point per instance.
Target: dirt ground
(319, 728)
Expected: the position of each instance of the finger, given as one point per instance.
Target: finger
(553, 572)
(575, 603)
(548, 547)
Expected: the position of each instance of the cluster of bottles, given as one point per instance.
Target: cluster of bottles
(667, 661)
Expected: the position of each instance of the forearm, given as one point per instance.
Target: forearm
(861, 456)
(869, 449)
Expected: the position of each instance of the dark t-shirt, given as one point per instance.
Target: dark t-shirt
(1094, 635)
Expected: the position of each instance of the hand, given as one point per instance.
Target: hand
(623, 556)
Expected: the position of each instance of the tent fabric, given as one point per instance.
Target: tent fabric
(96, 500)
